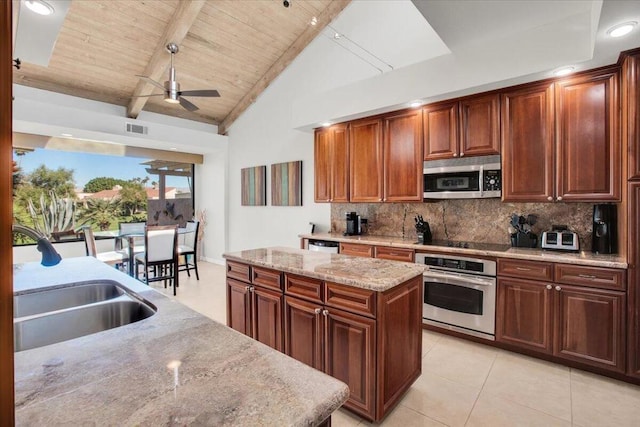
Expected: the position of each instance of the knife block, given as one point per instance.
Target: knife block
(524, 240)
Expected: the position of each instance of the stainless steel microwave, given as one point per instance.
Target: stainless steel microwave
(463, 178)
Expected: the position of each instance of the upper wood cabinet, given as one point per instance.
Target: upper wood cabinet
(560, 141)
(631, 111)
(527, 144)
(466, 127)
(402, 150)
(331, 155)
(366, 163)
(587, 138)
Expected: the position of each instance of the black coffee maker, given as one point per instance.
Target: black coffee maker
(605, 230)
(353, 224)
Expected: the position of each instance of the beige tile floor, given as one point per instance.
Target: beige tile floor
(469, 384)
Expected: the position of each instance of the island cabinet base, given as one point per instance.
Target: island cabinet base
(370, 340)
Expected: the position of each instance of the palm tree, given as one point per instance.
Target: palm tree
(100, 212)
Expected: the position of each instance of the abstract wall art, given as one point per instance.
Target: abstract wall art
(254, 186)
(286, 184)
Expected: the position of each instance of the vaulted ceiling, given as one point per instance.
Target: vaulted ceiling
(235, 47)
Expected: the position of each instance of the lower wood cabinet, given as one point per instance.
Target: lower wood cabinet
(356, 249)
(578, 323)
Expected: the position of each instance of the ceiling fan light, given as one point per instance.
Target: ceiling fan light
(40, 7)
(621, 29)
(172, 101)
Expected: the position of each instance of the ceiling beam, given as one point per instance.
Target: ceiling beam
(333, 9)
(182, 20)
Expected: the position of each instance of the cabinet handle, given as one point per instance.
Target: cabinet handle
(549, 287)
(251, 289)
(550, 198)
(523, 269)
(247, 288)
(558, 288)
(317, 311)
(559, 198)
(461, 154)
(587, 276)
(325, 312)
(455, 154)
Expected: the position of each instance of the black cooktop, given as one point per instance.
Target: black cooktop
(496, 247)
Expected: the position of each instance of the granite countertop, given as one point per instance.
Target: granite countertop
(531, 254)
(366, 273)
(126, 375)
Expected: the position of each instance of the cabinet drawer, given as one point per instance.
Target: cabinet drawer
(525, 269)
(356, 250)
(394, 254)
(355, 300)
(304, 287)
(239, 271)
(267, 278)
(591, 276)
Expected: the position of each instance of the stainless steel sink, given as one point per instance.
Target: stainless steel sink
(61, 298)
(86, 312)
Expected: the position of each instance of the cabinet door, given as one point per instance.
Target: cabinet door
(356, 249)
(527, 144)
(403, 168)
(350, 357)
(524, 316)
(340, 164)
(267, 317)
(440, 126)
(480, 125)
(587, 138)
(322, 165)
(589, 326)
(631, 111)
(304, 325)
(633, 254)
(365, 161)
(239, 306)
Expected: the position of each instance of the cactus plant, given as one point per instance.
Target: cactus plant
(55, 217)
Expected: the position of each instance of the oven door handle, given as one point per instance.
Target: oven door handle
(457, 279)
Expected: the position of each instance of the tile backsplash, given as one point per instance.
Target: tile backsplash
(473, 220)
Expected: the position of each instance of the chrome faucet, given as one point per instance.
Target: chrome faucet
(49, 255)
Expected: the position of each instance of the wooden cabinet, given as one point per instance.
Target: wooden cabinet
(633, 254)
(394, 254)
(331, 155)
(561, 142)
(631, 111)
(466, 127)
(570, 317)
(356, 249)
(304, 330)
(255, 303)
(528, 144)
(587, 138)
(402, 151)
(366, 163)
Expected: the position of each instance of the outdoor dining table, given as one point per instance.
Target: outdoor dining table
(131, 237)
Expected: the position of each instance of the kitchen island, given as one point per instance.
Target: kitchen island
(176, 367)
(357, 319)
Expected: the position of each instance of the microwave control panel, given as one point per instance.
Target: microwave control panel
(492, 180)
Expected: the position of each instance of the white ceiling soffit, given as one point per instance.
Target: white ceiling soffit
(386, 34)
(36, 47)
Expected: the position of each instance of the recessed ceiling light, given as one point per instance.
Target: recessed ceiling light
(415, 104)
(337, 36)
(40, 7)
(326, 124)
(564, 71)
(173, 148)
(314, 21)
(621, 29)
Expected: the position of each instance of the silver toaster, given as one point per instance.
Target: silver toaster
(559, 238)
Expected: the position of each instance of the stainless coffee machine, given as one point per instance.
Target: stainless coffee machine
(354, 224)
(605, 230)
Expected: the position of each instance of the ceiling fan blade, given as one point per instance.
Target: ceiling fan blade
(153, 82)
(205, 92)
(146, 96)
(187, 105)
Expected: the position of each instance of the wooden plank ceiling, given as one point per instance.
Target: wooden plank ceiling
(235, 46)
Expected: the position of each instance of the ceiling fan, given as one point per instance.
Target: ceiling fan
(171, 88)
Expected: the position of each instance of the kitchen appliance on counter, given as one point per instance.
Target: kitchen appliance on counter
(355, 224)
(605, 230)
(560, 239)
(520, 231)
(323, 246)
(463, 178)
(459, 294)
(423, 231)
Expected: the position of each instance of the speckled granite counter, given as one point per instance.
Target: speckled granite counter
(367, 273)
(120, 376)
(581, 258)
